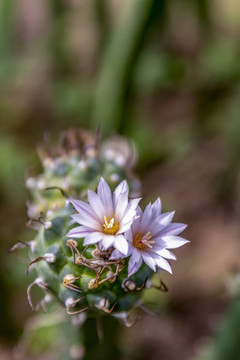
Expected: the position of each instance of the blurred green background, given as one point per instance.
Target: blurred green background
(167, 75)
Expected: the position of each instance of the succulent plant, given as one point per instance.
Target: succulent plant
(101, 266)
(81, 278)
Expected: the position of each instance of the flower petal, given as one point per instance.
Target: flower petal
(121, 244)
(156, 208)
(136, 225)
(128, 236)
(165, 218)
(121, 188)
(83, 208)
(146, 218)
(116, 255)
(160, 224)
(79, 232)
(104, 192)
(121, 206)
(125, 227)
(173, 242)
(96, 204)
(107, 241)
(87, 221)
(166, 254)
(174, 229)
(163, 264)
(130, 211)
(134, 263)
(148, 260)
(93, 238)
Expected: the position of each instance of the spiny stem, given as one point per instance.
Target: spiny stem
(105, 347)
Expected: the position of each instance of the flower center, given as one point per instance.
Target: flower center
(110, 227)
(143, 241)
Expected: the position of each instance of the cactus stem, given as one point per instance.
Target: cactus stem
(40, 283)
(100, 330)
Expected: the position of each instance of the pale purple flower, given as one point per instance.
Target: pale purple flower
(105, 218)
(151, 236)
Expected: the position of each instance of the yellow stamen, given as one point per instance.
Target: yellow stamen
(143, 241)
(110, 227)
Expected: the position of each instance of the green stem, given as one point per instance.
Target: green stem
(60, 56)
(102, 23)
(227, 343)
(100, 339)
(7, 28)
(118, 63)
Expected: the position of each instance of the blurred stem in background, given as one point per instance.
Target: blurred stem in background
(226, 345)
(7, 12)
(61, 63)
(112, 92)
(103, 26)
(203, 14)
(105, 348)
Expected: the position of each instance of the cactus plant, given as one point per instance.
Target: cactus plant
(97, 267)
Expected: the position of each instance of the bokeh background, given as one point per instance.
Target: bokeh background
(167, 75)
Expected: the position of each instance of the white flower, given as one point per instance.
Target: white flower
(106, 218)
(151, 236)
